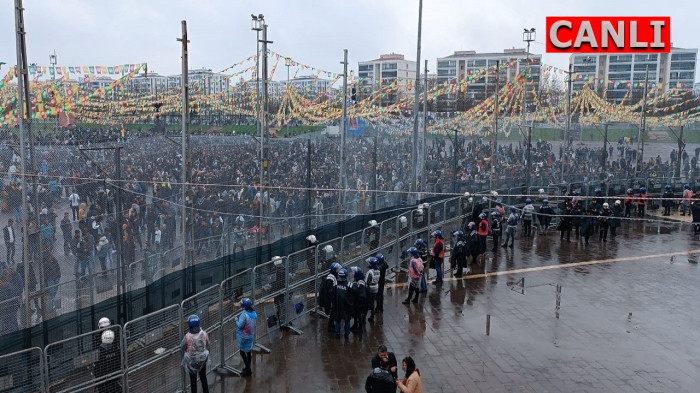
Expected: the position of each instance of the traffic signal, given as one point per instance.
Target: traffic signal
(354, 94)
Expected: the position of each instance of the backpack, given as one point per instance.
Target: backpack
(197, 348)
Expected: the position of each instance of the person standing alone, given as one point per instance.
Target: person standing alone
(9, 235)
(74, 199)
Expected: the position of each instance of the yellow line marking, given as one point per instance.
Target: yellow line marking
(560, 266)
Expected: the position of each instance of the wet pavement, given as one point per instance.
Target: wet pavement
(619, 316)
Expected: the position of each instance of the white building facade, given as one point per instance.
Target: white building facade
(478, 71)
(375, 75)
(619, 74)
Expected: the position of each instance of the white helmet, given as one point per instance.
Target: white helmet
(328, 248)
(311, 239)
(541, 190)
(606, 206)
(467, 194)
(419, 212)
(471, 200)
(494, 193)
(103, 323)
(372, 223)
(107, 337)
(277, 260)
(618, 202)
(403, 220)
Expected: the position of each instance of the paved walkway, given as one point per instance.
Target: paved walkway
(625, 320)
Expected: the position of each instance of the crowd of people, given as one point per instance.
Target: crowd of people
(225, 190)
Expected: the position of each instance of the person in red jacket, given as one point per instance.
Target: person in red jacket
(438, 254)
(483, 231)
(642, 201)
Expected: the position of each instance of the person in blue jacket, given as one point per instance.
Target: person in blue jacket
(245, 334)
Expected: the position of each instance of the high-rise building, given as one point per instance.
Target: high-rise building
(478, 71)
(621, 74)
(376, 75)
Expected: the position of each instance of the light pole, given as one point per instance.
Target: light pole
(528, 36)
(53, 59)
(287, 62)
(257, 23)
(416, 107)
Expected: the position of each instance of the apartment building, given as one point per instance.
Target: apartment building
(471, 66)
(377, 74)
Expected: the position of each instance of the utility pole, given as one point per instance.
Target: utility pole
(343, 128)
(454, 164)
(373, 191)
(528, 166)
(494, 152)
(416, 107)
(22, 112)
(425, 127)
(604, 157)
(264, 140)
(308, 185)
(185, 136)
(642, 130)
(568, 119)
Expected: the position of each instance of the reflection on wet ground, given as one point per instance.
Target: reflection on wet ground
(562, 317)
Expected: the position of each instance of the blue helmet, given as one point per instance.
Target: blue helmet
(643, 190)
(545, 202)
(246, 303)
(419, 243)
(335, 266)
(380, 258)
(372, 262)
(528, 201)
(343, 275)
(668, 186)
(598, 191)
(513, 209)
(687, 186)
(438, 234)
(193, 321)
(575, 192)
(413, 251)
(359, 274)
(459, 234)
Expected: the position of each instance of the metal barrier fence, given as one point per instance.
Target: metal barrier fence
(22, 371)
(151, 347)
(284, 291)
(81, 364)
(231, 291)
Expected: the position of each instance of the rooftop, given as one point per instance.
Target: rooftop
(506, 52)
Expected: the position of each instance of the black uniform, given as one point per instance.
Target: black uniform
(458, 258)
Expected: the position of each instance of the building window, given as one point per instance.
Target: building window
(389, 74)
(389, 66)
(683, 56)
(685, 65)
(621, 59)
(365, 67)
(643, 67)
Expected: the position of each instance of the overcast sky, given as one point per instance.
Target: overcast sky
(314, 32)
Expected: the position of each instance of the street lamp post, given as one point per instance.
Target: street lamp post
(257, 23)
(287, 62)
(528, 36)
(53, 59)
